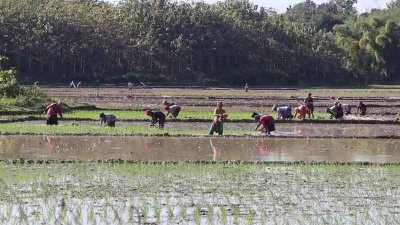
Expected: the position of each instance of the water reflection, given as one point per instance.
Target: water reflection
(263, 149)
(194, 149)
(52, 143)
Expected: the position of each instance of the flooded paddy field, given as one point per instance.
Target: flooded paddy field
(158, 149)
(84, 193)
(300, 130)
(343, 173)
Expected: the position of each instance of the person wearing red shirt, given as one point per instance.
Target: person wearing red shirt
(52, 110)
(266, 123)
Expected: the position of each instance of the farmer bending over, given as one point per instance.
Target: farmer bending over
(172, 109)
(302, 111)
(52, 110)
(266, 123)
(346, 109)
(156, 117)
(107, 119)
(219, 117)
(362, 108)
(335, 111)
(284, 112)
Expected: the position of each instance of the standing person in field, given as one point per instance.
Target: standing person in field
(52, 110)
(107, 119)
(362, 109)
(302, 111)
(219, 117)
(284, 112)
(156, 117)
(130, 85)
(172, 109)
(266, 123)
(246, 87)
(309, 102)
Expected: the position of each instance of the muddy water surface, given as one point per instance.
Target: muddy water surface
(282, 129)
(182, 149)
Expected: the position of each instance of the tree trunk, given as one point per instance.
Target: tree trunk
(30, 62)
(74, 67)
(19, 61)
(52, 66)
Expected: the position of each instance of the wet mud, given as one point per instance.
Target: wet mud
(301, 130)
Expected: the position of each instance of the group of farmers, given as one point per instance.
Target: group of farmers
(337, 111)
(266, 123)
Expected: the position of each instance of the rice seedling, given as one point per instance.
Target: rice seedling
(183, 212)
(197, 214)
(157, 213)
(144, 211)
(293, 193)
(90, 216)
(170, 213)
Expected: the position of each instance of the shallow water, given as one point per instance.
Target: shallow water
(282, 129)
(196, 149)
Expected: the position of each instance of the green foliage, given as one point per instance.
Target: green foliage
(8, 82)
(378, 38)
(12, 94)
(231, 42)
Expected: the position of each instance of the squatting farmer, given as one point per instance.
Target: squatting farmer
(336, 111)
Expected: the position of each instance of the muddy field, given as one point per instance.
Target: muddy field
(199, 194)
(380, 101)
(145, 149)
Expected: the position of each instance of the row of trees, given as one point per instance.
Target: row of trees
(232, 42)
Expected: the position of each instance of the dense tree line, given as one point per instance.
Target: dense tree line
(232, 42)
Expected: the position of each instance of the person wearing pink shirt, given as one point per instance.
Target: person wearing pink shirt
(302, 111)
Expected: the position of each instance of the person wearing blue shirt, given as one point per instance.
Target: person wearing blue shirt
(284, 112)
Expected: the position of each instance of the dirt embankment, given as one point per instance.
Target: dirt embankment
(378, 101)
